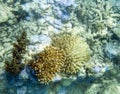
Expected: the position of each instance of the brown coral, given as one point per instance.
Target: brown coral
(76, 51)
(48, 64)
(15, 66)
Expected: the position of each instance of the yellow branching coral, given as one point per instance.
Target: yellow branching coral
(48, 64)
(76, 51)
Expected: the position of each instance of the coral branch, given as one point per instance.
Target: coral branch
(15, 66)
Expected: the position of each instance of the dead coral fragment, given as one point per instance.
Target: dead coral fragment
(15, 66)
(76, 51)
(48, 64)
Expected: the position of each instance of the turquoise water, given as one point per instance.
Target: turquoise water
(59, 46)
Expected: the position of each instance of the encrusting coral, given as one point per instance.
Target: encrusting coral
(15, 66)
(76, 51)
(48, 64)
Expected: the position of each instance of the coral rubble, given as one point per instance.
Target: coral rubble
(15, 66)
(48, 64)
(76, 51)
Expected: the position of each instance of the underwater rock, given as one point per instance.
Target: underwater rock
(74, 89)
(3, 85)
(112, 50)
(40, 39)
(24, 74)
(116, 31)
(62, 90)
(58, 24)
(61, 14)
(111, 89)
(66, 3)
(5, 13)
(3, 17)
(93, 89)
(67, 82)
(38, 43)
(22, 90)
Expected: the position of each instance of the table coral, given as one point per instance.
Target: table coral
(76, 51)
(48, 64)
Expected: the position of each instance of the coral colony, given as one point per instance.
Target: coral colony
(66, 55)
(48, 64)
(76, 51)
(15, 66)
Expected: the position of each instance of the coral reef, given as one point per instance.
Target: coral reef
(76, 51)
(15, 66)
(97, 21)
(48, 64)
